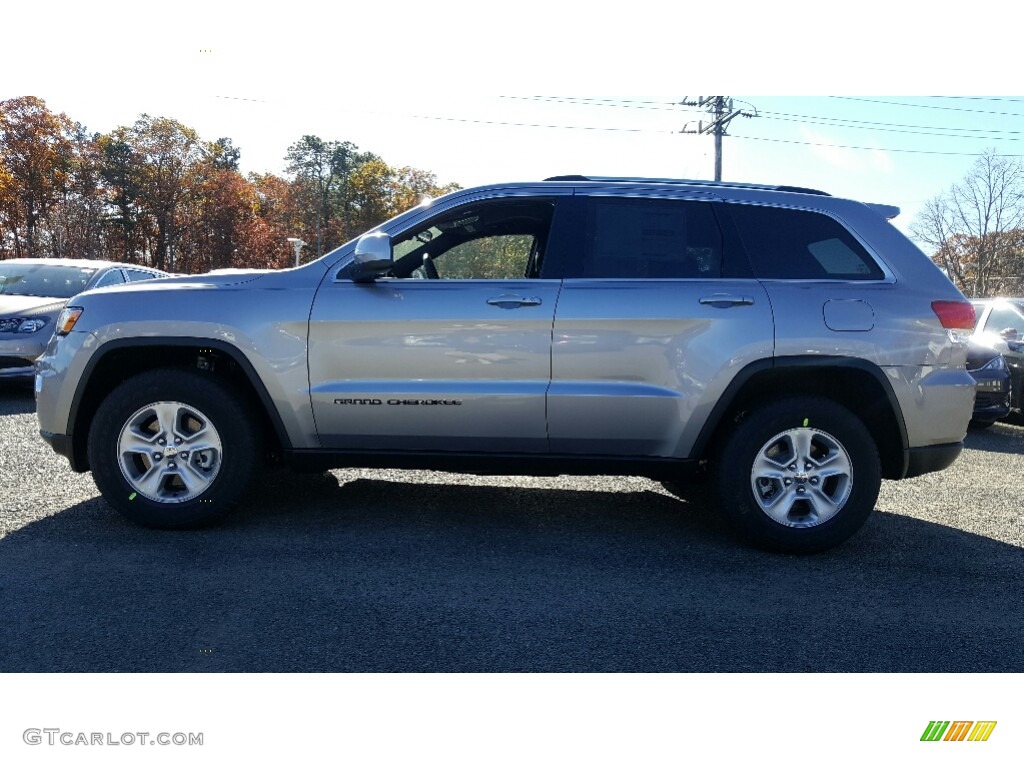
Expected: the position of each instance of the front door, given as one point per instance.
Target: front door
(451, 353)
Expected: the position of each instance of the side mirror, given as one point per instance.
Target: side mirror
(373, 257)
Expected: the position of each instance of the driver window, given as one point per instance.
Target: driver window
(486, 258)
(494, 240)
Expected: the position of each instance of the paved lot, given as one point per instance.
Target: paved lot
(418, 571)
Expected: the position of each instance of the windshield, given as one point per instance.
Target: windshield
(60, 282)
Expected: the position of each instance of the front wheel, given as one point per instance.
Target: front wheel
(798, 475)
(174, 449)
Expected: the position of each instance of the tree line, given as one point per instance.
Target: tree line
(156, 193)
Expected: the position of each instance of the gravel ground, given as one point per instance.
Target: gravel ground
(419, 571)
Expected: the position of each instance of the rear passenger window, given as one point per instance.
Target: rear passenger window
(800, 245)
(649, 238)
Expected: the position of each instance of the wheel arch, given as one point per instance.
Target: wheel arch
(121, 359)
(858, 385)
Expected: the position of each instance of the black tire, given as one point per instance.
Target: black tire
(801, 508)
(152, 489)
(980, 424)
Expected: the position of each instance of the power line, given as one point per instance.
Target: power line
(837, 121)
(843, 122)
(928, 106)
(591, 102)
(240, 98)
(537, 125)
(832, 122)
(872, 127)
(981, 98)
(748, 138)
(873, 149)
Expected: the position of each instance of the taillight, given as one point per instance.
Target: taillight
(954, 315)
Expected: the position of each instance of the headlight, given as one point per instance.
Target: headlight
(22, 324)
(997, 363)
(66, 320)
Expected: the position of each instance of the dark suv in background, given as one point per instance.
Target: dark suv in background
(1000, 325)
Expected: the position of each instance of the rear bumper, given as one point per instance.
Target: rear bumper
(931, 458)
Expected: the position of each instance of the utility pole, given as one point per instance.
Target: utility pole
(722, 110)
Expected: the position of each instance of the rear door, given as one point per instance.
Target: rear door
(656, 317)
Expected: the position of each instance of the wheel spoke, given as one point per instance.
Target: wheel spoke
(768, 467)
(195, 481)
(780, 506)
(803, 441)
(134, 443)
(150, 483)
(200, 441)
(836, 463)
(823, 506)
(166, 417)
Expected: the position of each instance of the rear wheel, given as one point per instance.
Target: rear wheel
(798, 475)
(174, 449)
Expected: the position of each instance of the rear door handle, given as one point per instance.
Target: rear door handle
(723, 300)
(509, 301)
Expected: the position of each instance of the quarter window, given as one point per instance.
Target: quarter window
(800, 245)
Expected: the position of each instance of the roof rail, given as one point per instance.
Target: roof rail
(691, 182)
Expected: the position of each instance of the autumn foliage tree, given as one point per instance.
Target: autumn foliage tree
(323, 172)
(156, 193)
(380, 192)
(35, 164)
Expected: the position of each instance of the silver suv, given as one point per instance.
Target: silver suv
(794, 346)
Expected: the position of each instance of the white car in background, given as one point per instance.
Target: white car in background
(32, 294)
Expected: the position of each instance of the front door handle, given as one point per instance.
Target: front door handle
(724, 300)
(509, 301)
